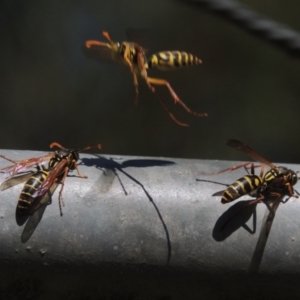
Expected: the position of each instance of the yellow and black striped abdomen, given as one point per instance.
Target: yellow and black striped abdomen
(26, 197)
(167, 60)
(241, 187)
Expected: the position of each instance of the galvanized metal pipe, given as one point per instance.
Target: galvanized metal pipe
(140, 222)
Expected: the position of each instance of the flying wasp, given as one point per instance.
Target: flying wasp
(276, 182)
(133, 55)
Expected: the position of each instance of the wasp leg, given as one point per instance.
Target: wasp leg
(244, 165)
(170, 114)
(291, 190)
(136, 86)
(62, 181)
(76, 167)
(156, 81)
(12, 160)
(64, 178)
(144, 75)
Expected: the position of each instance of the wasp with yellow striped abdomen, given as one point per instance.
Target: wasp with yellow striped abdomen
(65, 160)
(133, 55)
(39, 182)
(276, 182)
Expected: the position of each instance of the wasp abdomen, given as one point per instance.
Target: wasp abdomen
(172, 59)
(241, 187)
(27, 195)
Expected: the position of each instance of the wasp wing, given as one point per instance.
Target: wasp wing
(10, 182)
(37, 214)
(220, 193)
(51, 178)
(240, 146)
(145, 37)
(23, 165)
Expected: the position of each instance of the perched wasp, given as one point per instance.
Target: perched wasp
(276, 182)
(39, 182)
(133, 55)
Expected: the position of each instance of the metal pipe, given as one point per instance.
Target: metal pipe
(145, 220)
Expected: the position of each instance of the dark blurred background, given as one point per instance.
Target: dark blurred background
(49, 91)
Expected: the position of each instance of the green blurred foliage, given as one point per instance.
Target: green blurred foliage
(50, 91)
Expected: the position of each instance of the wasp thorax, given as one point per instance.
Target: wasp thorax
(74, 155)
(290, 175)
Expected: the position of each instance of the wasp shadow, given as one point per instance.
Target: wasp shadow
(110, 167)
(234, 218)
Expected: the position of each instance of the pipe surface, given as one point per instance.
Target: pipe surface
(146, 219)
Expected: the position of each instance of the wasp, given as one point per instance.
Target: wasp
(133, 56)
(38, 183)
(276, 182)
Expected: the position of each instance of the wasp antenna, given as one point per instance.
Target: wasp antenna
(99, 146)
(106, 35)
(55, 144)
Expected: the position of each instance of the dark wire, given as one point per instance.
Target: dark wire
(275, 33)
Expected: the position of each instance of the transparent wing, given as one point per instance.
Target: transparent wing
(145, 37)
(51, 178)
(220, 193)
(23, 165)
(37, 213)
(240, 146)
(15, 180)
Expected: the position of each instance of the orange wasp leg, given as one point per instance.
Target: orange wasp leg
(28, 160)
(143, 72)
(62, 182)
(157, 81)
(246, 166)
(12, 160)
(170, 114)
(290, 189)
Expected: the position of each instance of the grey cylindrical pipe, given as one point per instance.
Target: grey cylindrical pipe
(148, 218)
